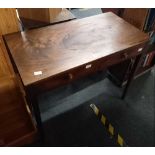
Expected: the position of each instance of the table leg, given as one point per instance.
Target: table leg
(37, 114)
(36, 111)
(131, 75)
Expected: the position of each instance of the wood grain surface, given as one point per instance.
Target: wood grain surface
(62, 47)
(8, 21)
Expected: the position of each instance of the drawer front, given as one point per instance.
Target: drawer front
(122, 56)
(85, 70)
(51, 83)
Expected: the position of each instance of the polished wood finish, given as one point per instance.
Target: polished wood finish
(60, 48)
(136, 16)
(8, 21)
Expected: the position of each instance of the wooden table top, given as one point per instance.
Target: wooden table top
(51, 50)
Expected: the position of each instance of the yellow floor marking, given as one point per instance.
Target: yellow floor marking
(111, 129)
(95, 109)
(120, 140)
(103, 119)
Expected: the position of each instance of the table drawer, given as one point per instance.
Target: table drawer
(103, 63)
(85, 70)
(51, 83)
(122, 56)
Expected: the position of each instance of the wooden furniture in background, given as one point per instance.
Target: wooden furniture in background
(39, 14)
(8, 21)
(46, 17)
(56, 55)
(136, 17)
(16, 125)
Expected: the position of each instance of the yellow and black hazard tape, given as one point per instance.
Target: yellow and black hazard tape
(112, 131)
